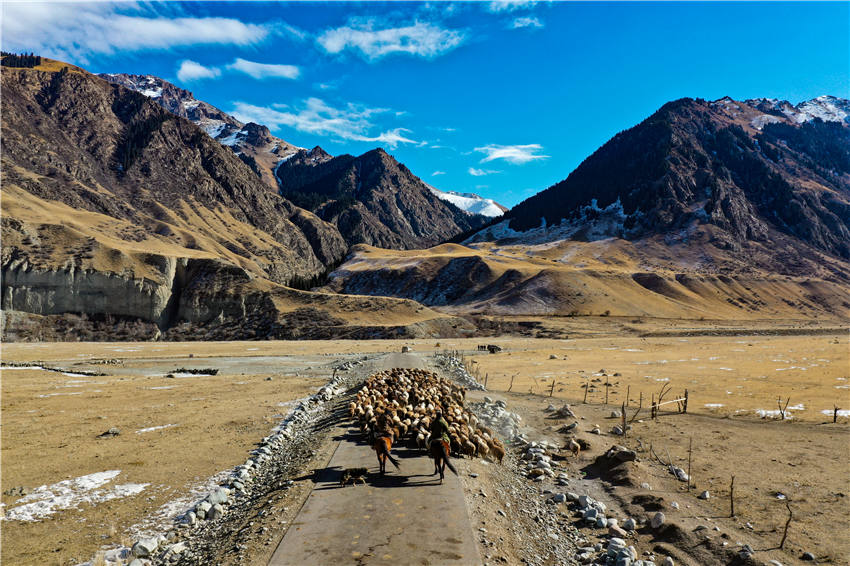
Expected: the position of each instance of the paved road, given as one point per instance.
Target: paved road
(410, 360)
(403, 518)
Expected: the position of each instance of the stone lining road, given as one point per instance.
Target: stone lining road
(403, 518)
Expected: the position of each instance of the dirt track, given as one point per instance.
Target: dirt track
(405, 516)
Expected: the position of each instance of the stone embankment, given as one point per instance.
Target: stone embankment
(194, 536)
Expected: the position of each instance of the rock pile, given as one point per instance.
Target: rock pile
(454, 367)
(237, 487)
(495, 415)
(538, 461)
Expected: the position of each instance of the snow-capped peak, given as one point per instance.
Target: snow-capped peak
(470, 202)
(827, 108)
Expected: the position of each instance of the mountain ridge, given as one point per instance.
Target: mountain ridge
(701, 162)
(704, 209)
(116, 211)
(252, 142)
(372, 198)
(270, 157)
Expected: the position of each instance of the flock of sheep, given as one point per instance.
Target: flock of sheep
(408, 399)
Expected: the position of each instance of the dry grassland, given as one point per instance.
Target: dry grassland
(51, 421)
(618, 277)
(724, 376)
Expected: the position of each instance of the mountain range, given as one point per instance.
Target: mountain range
(364, 213)
(116, 207)
(129, 203)
(721, 209)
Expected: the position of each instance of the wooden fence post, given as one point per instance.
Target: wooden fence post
(690, 447)
(732, 497)
(623, 415)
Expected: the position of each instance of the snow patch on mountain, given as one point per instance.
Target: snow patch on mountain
(761, 121)
(592, 223)
(827, 108)
(470, 202)
(152, 92)
(213, 128)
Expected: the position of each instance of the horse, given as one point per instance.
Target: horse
(382, 445)
(439, 450)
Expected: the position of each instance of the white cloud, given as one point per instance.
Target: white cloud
(526, 22)
(510, 5)
(75, 31)
(435, 173)
(192, 71)
(516, 154)
(264, 70)
(372, 42)
(481, 172)
(317, 117)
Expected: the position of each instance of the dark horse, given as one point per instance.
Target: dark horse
(439, 450)
(382, 445)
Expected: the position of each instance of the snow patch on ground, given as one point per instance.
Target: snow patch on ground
(213, 128)
(46, 395)
(827, 108)
(70, 494)
(153, 428)
(772, 414)
(759, 122)
(841, 412)
(163, 518)
(187, 374)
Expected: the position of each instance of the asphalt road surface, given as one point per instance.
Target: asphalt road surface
(403, 518)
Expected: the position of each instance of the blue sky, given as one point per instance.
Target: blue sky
(498, 98)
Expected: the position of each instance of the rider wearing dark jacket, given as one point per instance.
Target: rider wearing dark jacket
(439, 427)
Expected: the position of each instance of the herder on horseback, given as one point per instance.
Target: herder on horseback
(439, 445)
(382, 443)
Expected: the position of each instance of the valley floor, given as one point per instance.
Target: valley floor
(178, 433)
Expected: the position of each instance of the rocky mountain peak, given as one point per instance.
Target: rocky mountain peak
(256, 134)
(372, 198)
(755, 171)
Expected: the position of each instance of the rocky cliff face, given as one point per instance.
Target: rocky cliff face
(180, 289)
(372, 199)
(753, 170)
